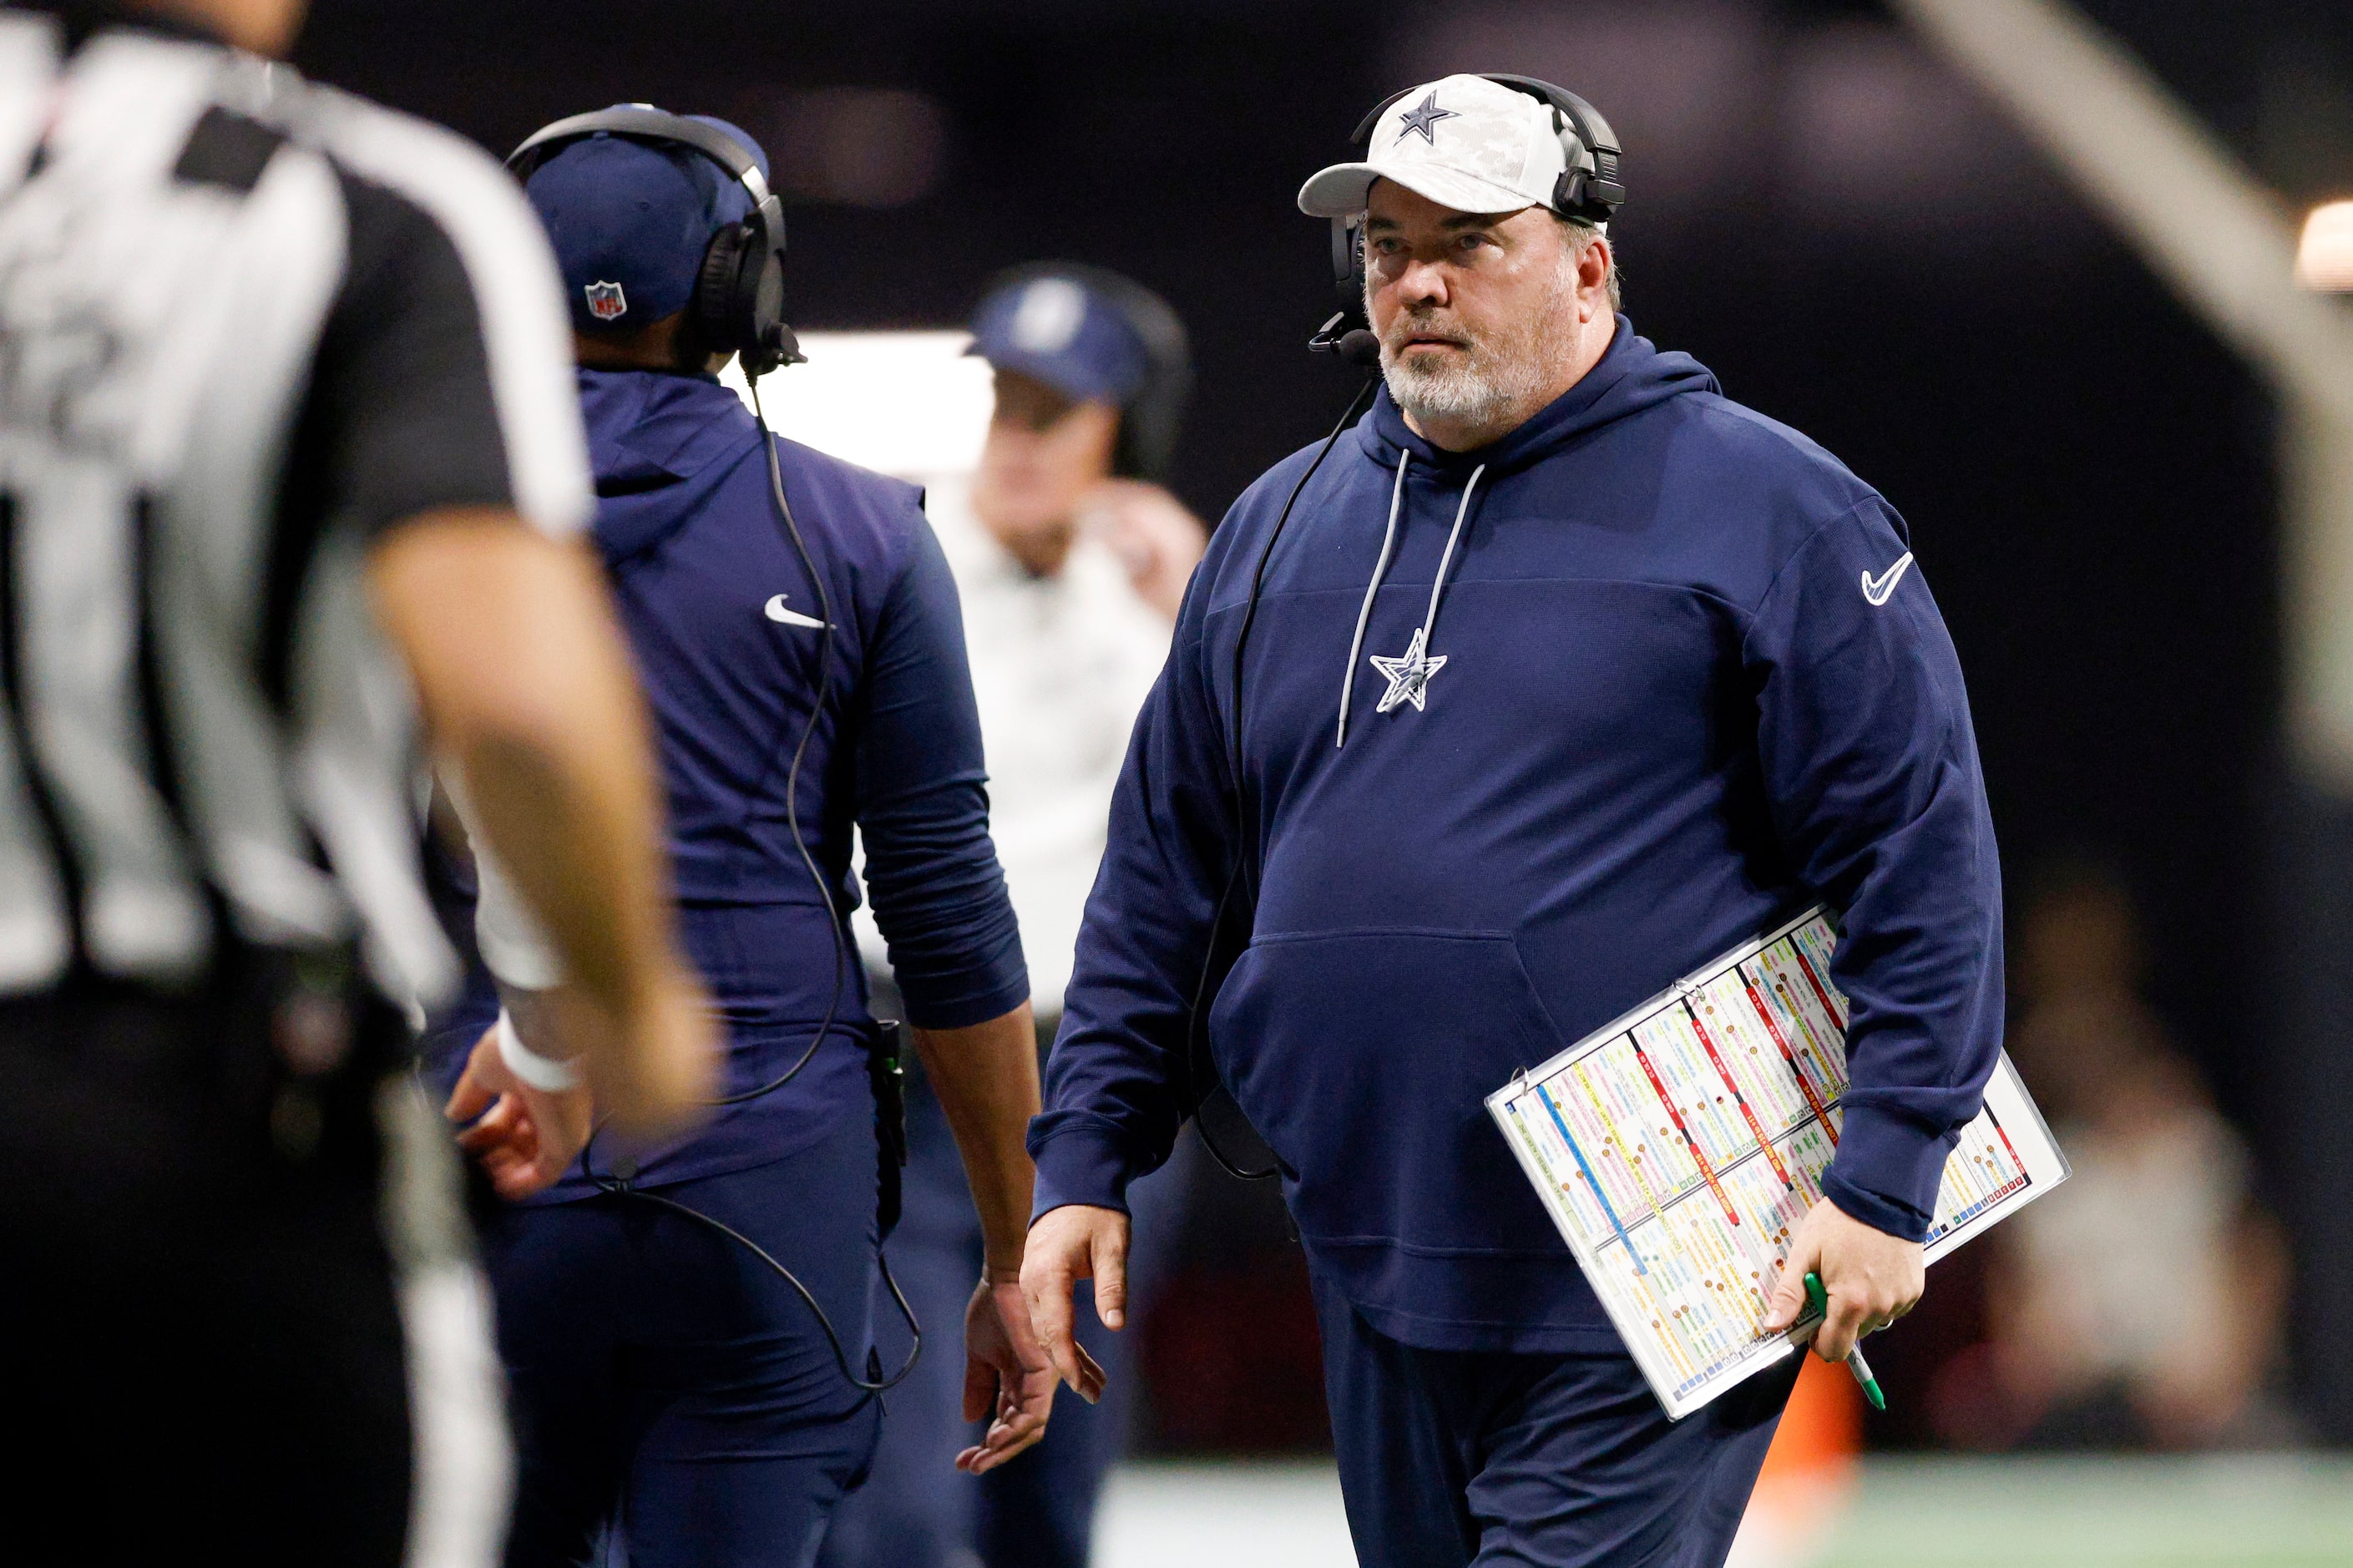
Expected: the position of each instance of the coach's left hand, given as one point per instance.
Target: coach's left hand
(524, 1137)
(1873, 1279)
(1005, 1374)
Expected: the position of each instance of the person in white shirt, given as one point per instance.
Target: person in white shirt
(1070, 559)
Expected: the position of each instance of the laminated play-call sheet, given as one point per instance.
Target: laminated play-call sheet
(1678, 1147)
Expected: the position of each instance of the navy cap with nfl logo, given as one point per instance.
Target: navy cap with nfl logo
(608, 302)
(631, 220)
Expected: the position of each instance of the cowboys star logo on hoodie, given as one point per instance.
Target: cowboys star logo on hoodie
(607, 302)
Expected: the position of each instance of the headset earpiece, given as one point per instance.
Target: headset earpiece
(1348, 262)
(1592, 194)
(1347, 289)
(715, 288)
(739, 298)
(767, 341)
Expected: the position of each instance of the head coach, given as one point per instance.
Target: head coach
(1566, 674)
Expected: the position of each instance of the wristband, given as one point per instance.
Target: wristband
(545, 1074)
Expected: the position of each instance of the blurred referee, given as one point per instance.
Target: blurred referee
(287, 437)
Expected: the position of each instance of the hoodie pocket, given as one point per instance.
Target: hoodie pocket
(1365, 1058)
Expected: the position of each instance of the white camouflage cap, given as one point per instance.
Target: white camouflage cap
(1464, 142)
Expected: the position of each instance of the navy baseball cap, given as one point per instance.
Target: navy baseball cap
(631, 220)
(1056, 326)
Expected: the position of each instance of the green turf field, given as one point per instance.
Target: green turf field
(2289, 1512)
(2264, 1512)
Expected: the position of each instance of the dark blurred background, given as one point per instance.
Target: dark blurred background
(1823, 213)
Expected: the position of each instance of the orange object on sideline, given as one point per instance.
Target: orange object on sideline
(1821, 1432)
(1809, 1475)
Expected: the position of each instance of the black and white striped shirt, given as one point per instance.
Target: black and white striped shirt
(246, 324)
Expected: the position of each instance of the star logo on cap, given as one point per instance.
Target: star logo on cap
(1422, 118)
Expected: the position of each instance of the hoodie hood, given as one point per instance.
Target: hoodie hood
(659, 442)
(1633, 374)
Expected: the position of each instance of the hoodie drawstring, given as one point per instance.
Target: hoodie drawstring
(1429, 621)
(1380, 569)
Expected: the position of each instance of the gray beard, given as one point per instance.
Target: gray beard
(1475, 390)
(1494, 387)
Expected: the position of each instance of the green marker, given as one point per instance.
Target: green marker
(1820, 1300)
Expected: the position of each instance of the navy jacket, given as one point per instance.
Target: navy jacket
(1682, 680)
(709, 586)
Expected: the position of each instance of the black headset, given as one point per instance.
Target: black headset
(739, 294)
(1591, 189)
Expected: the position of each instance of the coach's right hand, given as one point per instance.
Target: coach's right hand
(1070, 1244)
(1007, 1382)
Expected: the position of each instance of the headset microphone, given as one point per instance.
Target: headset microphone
(1359, 347)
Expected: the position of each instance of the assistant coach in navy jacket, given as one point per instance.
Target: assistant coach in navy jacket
(1567, 675)
(664, 1379)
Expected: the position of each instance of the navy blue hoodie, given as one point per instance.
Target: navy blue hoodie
(722, 620)
(1683, 679)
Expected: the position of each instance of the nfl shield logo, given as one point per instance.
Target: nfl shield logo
(605, 303)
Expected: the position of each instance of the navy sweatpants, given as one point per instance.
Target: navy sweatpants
(1450, 1458)
(666, 1387)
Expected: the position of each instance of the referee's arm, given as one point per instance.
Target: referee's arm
(443, 407)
